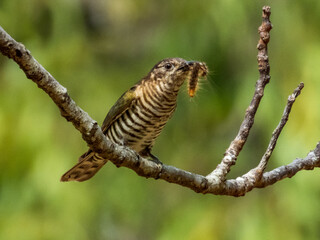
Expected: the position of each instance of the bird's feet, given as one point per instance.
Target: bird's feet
(147, 154)
(154, 159)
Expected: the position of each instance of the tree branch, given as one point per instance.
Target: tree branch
(215, 182)
(276, 133)
(232, 153)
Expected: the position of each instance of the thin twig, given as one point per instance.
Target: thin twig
(232, 153)
(276, 133)
(251, 178)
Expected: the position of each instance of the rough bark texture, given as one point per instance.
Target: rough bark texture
(232, 153)
(215, 182)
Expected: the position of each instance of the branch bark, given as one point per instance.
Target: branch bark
(215, 182)
(232, 153)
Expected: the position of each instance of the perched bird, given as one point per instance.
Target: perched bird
(140, 114)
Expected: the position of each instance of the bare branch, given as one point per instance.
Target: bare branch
(288, 171)
(89, 128)
(214, 183)
(250, 180)
(232, 153)
(236, 187)
(276, 133)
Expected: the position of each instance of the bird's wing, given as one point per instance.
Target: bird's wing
(123, 103)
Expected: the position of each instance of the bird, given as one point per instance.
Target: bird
(139, 115)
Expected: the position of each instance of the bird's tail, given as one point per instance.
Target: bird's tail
(89, 164)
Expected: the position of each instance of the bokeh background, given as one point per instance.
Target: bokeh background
(100, 48)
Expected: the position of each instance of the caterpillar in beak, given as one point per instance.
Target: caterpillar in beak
(198, 70)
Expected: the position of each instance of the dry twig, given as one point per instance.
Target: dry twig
(215, 182)
(232, 153)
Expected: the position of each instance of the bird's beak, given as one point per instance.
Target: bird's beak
(186, 66)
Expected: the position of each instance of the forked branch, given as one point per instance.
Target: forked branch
(232, 153)
(215, 182)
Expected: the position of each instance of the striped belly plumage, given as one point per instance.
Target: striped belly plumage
(141, 124)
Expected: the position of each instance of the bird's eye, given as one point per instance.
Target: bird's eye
(168, 66)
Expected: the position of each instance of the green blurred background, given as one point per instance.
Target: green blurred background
(100, 48)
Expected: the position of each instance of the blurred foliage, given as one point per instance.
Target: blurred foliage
(100, 48)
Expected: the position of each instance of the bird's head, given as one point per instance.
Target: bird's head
(174, 71)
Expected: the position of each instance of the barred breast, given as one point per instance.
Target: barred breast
(141, 124)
